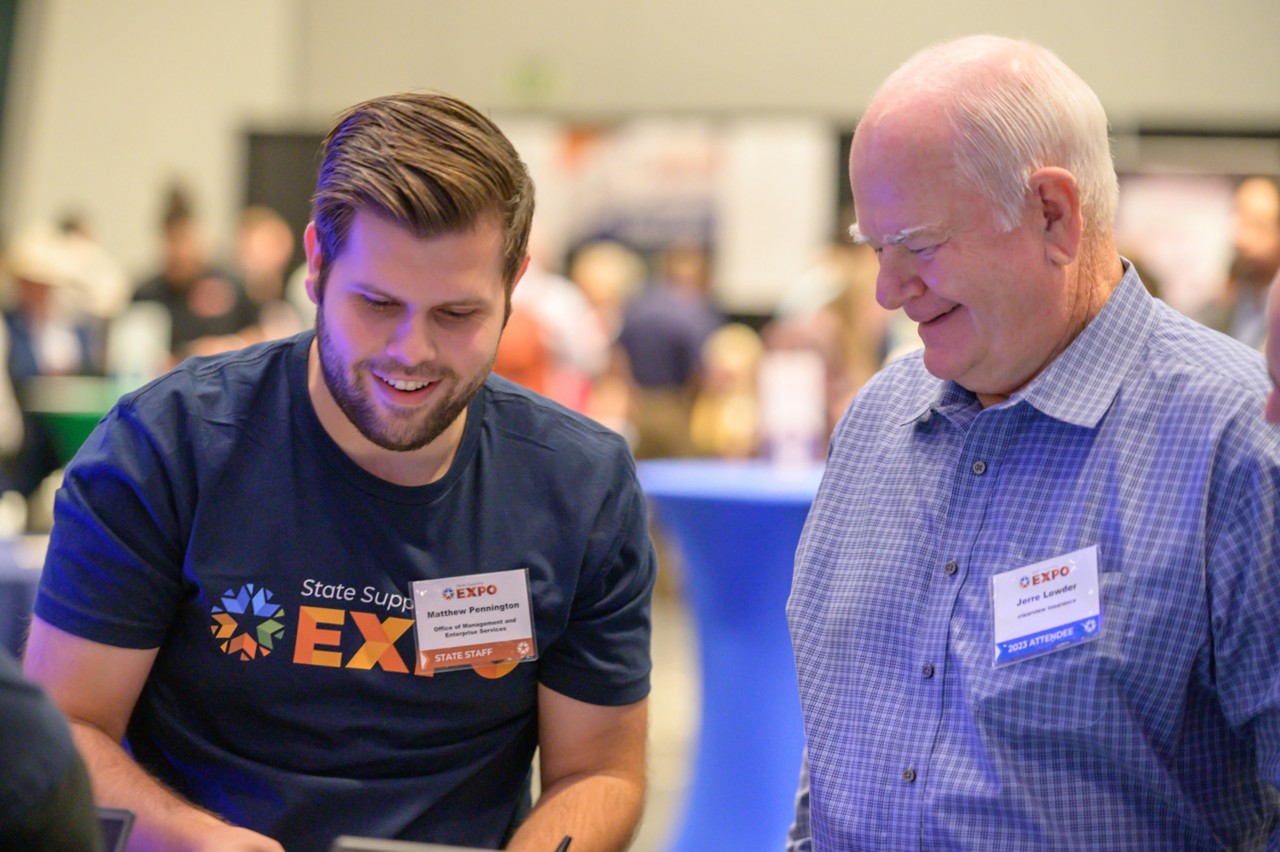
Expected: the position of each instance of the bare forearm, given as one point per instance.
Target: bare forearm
(164, 820)
(600, 812)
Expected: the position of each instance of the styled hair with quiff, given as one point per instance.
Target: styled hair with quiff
(428, 162)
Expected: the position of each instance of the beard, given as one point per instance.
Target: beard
(398, 431)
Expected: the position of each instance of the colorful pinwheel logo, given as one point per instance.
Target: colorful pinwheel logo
(249, 622)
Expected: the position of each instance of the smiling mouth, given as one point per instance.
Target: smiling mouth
(403, 385)
(937, 317)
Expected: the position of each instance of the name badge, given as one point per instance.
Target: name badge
(475, 619)
(1046, 606)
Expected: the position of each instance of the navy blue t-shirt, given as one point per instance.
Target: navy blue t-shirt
(211, 515)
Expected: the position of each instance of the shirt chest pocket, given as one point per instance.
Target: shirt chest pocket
(1062, 690)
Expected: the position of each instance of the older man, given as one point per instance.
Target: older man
(1035, 601)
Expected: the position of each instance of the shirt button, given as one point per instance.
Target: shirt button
(927, 670)
(951, 567)
(979, 467)
(908, 775)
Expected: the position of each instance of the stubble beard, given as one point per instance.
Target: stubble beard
(399, 433)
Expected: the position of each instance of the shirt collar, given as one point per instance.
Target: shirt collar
(1081, 383)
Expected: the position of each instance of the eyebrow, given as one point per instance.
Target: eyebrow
(856, 234)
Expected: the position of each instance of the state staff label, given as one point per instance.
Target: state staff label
(475, 619)
(1046, 606)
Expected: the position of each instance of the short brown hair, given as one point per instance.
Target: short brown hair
(427, 161)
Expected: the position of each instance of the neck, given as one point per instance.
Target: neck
(1097, 273)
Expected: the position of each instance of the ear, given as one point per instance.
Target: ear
(312, 248)
(524, 267)
(1057, 200)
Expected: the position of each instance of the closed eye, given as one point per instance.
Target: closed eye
(377, 304)
(457, 314)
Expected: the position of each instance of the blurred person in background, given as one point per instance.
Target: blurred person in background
(45, 339)
(99, 287)
(98, 290)
(609, 274)
(264, 247)
(1240, 310)
(725, 421)
(832, 310)
(208, 307)
(574, 340)
(663, 331)
(13, 505)
(10, 413)
(1272, 409)
(523, 354)
(1069, 466)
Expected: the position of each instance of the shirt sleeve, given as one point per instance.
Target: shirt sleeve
(1243, 558)
(603, 656)
(113, 573)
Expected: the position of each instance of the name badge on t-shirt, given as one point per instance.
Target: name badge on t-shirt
(473, 620)
(1046, 606)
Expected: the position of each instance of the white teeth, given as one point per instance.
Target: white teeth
(406, 386)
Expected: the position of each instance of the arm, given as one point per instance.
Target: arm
(593, 775)
(799, 836)
(97, 686)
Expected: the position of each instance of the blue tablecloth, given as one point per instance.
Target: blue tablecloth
(20, 562)
(737, 525)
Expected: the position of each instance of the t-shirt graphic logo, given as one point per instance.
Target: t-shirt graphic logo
(248, 623)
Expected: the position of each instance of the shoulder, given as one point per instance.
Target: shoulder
(901, 391)
(1199, 396)
(527, 422)
(206, 403)
(1190, 361)
(219, 383)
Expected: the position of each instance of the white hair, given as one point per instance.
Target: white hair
(1015, 107)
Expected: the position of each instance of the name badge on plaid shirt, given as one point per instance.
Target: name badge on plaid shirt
(1046, 606)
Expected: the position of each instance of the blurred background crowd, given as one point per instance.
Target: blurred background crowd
(631, 336)
(692, 285)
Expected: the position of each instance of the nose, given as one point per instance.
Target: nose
(413, 342)
(897, 282)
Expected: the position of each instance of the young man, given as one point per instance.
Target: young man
(1035, 600)
(230, 583)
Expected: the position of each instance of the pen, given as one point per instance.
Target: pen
(564, 844)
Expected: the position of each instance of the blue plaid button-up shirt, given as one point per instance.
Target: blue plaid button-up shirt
(1146, 438)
